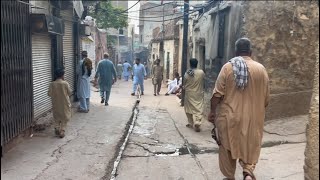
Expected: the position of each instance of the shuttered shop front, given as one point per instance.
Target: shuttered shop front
(68, 48)
(42, 73)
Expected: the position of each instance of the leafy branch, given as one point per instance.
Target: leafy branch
(108, 16)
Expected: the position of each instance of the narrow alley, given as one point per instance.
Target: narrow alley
(159, 90)
(159, 147)
(86, 152)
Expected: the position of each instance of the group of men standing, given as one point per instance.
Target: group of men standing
(241, 92)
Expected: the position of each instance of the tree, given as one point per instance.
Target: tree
(108, 16)
(111, 40)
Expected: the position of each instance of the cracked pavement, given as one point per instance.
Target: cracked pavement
(160, 147)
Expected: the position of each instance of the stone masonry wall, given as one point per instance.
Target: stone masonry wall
(311, 167)
(284, 36)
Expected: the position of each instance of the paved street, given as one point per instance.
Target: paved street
(159, 148)
(86, 151)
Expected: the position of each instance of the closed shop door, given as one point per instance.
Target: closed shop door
(68, 49)
(42, 73)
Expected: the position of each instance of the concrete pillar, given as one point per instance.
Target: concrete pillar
(311, 167)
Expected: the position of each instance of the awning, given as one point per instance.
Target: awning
(87, 38)
(78, 7)
(222, 6)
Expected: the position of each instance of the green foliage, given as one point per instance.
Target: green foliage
(108, 16)
(111, 40)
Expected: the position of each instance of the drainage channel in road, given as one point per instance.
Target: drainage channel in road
(111, 170)
(149, 133)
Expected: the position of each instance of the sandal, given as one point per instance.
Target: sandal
(56, 132)
(189, 126)
(62, 134)
(246, 174)
(197, 128)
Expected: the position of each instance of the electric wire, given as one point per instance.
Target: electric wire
(152, 7)
(199, 8)
(145, 20)
(131, 7)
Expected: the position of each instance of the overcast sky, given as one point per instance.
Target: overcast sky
(133, 12)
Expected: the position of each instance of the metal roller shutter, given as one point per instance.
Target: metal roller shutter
(80, 44)
(68, 49)
(42, 73)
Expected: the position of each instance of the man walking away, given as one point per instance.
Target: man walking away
(242, 92)
(194, 95)
(107, 75)
(84, 73)
(157, 77)
(60, 93)
(119, 70)
(126, 70)
(139, 73)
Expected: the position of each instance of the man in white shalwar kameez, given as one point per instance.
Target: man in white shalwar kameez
(84, 72)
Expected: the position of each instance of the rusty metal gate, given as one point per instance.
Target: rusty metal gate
(16, 69)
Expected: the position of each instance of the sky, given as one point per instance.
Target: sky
(134, 14)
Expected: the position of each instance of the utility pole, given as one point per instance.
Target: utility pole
(132, 44)
(118, 44)
(118, 59)
(161, 53)
(185, 44)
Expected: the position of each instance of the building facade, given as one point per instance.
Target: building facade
(48, 38)
(158, 14)
(170, 40)
(284, 45)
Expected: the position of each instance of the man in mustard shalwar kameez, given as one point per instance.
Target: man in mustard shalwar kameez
(242, 92)
(194, 95)
(60, 93)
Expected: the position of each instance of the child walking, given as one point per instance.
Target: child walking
(59, 91)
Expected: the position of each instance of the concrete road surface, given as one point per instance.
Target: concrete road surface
(160, 147)
(87, 151)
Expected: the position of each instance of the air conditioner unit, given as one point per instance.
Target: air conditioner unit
(41, 23)
(85, 30)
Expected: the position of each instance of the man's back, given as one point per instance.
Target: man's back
(242, 112)
(59, 92)
(105, 68)
(126, 65)
(119, 67)
(196, 82)
(255, 94)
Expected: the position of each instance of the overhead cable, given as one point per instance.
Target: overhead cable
(130, 7)
(190, 12)
(161, 21)
(153, 7)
